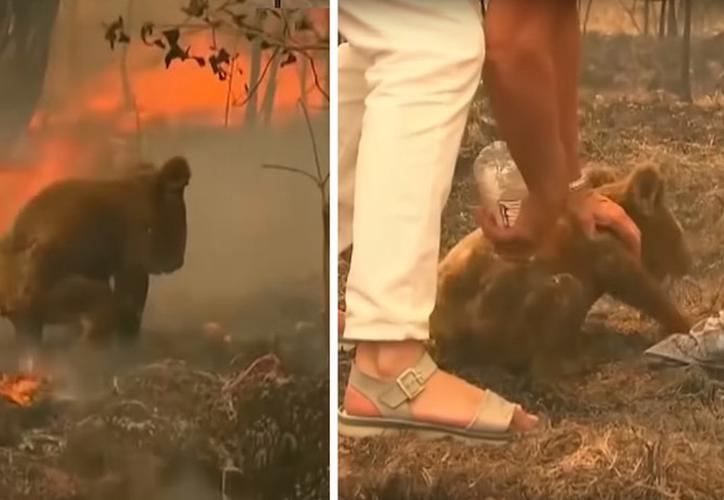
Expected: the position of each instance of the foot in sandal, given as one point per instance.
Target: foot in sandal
(396, 386)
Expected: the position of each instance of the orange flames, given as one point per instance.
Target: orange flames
(20, 389)
(54, 158)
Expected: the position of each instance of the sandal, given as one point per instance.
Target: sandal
(490, 424)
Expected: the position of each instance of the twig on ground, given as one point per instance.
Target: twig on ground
(231, 384)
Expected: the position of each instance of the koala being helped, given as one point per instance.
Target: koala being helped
(529, 316)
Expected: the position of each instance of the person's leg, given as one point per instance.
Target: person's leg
(426, 62)
(352, 93)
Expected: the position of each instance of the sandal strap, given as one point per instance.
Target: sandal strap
(391, 397)
(494, 414)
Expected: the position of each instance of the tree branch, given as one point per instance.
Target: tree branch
(631, 15)
(314, 141)
(256, 85)
(289, 38)
(316, 76)
(292, 170)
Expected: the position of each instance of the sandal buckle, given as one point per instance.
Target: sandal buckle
(410, 383)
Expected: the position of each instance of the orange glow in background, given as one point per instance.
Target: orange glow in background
(187, 93)
(73, 138)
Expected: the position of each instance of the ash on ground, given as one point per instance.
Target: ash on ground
(215, 420)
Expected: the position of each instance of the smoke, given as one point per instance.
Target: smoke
(253, 232)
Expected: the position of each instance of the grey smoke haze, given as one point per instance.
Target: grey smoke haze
(251, 231)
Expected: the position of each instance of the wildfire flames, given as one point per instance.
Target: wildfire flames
(55, 158)
(20, 389)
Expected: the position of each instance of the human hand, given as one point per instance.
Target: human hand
(593, 210)
(520, 242)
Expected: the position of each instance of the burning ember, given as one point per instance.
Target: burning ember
(20, 389)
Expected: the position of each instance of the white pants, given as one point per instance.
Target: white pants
(407, 75)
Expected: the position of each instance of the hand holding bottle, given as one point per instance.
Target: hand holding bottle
(520, 241)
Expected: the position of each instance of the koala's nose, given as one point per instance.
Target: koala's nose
(173, 265)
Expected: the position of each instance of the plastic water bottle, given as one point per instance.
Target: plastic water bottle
(500, 185)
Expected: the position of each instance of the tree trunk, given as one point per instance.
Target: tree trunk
(130, 104)
(254, 73)
(267, 107)
(662, 19)
(72, 47)
(585, 18)
(303, 77)
(325, 272)
(672, 28)
(647, 17)
(24, 66)
(129, 99)
(253, 77)
(326, 77)
(686, 54)
(6, 21)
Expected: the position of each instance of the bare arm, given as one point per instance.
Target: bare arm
(566, 50)
(520, 74)
(531, 71)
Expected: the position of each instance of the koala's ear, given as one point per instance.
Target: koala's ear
(175, 175)
(645, 189)
(599, 176)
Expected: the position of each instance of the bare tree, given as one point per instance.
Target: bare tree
(662, 19)
(267, 106)
(25, 35)
(647, 17)
(686, 54)
(631, 12)
(251, 105)
(320, 180)
(586, 16)
(129, 96)
(287, 45)
(672, 29)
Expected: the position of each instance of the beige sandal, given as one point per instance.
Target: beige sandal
(490, 424)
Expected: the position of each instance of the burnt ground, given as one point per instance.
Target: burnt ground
(624, 430)
(188, 416)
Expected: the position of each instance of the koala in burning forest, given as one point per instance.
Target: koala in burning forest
(530, 315)
(87, 232)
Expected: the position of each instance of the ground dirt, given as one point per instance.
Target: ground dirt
(186, 417)
(624, 430)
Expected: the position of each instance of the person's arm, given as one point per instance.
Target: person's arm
(590, 209)
(566, 50)
(531, 71)
(521, 78)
